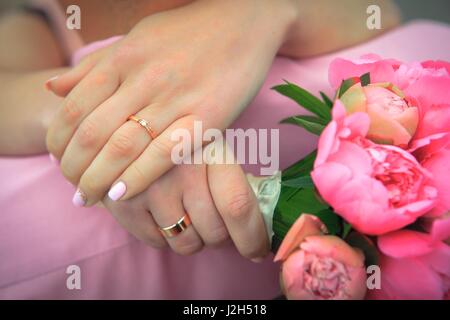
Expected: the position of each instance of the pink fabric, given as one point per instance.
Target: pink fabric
(42, 233)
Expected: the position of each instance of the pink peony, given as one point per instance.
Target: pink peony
(438, 227)
(316, 266)
(325, 267)
(376, 188)
(400, 74)
(407, 74)
(431, 143)
(435, 157)
(413, 266)
(432, 96)
(381, 70)
(433, 153)
(306, 225)
(425, 85)
(437, 65)
(392, 119)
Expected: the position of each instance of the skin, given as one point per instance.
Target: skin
(170, 82)
(23, 128)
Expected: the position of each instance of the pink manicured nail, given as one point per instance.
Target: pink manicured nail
(53, 159)
(49, 81)
(79, 199)
(117, 191)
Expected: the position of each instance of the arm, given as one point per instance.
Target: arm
(204, 61)
(324, 26)
(201, 62)
(29, 55)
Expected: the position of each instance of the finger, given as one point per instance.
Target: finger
(95, 131)
(137, 220)
(97, 170)
(61, 85)
(198, 202)
(93, 90)
(239, 209)
(156, 158)
(167, 208)
(97, 127)
(124, 146)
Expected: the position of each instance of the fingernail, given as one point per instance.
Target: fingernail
(117, 191)
(49, 81)
(79, 199)
(257, 260)
(53, 159)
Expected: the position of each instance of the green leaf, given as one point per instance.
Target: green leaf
(346, 228)
(300, 168)
(327, 216)
(292, 203)
(299, 182)
(327, 100)
(345, 85)
(281, 227)
(365, 79)
(305, 99)
(331, 220)
(310, 123)
(358, 240)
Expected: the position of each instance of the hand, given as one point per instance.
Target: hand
(218, 200)
(173, 68)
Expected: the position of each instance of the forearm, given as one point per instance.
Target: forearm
(328, 25)
(31, 56)
(258, 23)
(25, 111)
(300, 28)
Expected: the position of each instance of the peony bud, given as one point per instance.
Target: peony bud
(392, 119)
(325, 268)
(318, 266)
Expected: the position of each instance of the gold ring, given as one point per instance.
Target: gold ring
(176, 228)
(143, 123)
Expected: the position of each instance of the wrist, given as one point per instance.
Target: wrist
(272, 20)
(285, 14)
(279, 15)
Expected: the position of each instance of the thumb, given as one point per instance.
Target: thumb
(238, 206)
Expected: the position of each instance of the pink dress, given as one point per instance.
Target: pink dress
(42, 233)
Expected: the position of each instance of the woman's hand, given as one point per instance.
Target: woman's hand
(204, 61)
(217, 198)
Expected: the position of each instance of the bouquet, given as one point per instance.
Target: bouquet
(366, 215)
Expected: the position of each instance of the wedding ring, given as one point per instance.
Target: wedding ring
(143, 123)
(176, 228)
